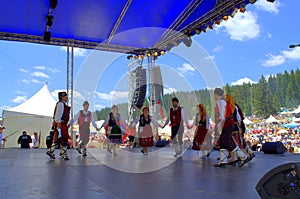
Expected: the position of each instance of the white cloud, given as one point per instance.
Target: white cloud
(186, 69)
(53, 70)
(76, 95)
(269, 35)
(242, 81)
(27, 81)
(212, 57)
(285, 55)
(242, 27)
(19, 99)
(268, 6)
(4, 107)
(40, 74)
(99, 106)
(218, 48)
(273, 60)
(23, 70)
(112, 95)
(40, 67)
(21, 93)
(78, 52)
(170, 90)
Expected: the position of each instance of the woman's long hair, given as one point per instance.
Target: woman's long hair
(202, 112)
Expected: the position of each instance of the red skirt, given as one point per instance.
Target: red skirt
(199, 137)
(145, 142)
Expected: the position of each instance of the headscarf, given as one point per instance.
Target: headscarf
(230, 101)
(202, 112)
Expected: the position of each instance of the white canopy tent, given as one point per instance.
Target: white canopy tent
(247, 121)
(34, 115)
(295, 119)
(272, 119)
(297, 110)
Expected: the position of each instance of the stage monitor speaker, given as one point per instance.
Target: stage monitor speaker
(281, 182)
(273, 148)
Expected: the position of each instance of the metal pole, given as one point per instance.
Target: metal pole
(70, 80)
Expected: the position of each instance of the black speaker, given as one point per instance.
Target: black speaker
(281, 182)
(273, 148)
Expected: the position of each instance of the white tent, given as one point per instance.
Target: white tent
(297, 110)
(34, 115)
(271, 119)
(247, 121)
(295, 119)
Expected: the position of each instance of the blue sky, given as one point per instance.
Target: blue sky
(243, 48)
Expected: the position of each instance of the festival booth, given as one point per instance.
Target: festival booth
(247, 121)
(34, 115)
(271, 119)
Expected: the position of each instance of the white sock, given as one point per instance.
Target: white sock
(59, 133)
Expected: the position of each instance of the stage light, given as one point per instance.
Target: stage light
(225, 18)
(142, 56)
(129, 57)
(198, 31)
(242, 10)
(272, 1)
(49, 20)
(203, 30)
(187, 41)
(148, 54)
(252, 1)
(155, 53)
(210, 27)
(47, 36)
(53, 3)
(234, 12)
(218, 22)
(136, 57)
(162, 52)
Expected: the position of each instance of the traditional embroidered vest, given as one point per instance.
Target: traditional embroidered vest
(143, 120)
(112, 121)
(175, 116)
(82, 116)
(66, 114)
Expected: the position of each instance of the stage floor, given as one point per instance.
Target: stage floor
(29, 173)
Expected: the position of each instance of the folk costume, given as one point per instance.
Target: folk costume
(84, 118)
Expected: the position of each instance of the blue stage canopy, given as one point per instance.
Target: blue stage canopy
(98, 23)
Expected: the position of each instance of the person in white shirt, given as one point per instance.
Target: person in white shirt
(84, 118)
(35, 140)
(61, 119)
(178, 118)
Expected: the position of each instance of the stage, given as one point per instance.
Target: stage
(29, 173)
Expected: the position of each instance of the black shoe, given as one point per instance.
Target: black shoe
(66, 158)
(243, 162)
(51, 155)
(208, 155)
(219, 164)
(233, 162)
(251, 156)
(218, 158)
(142, 151)
(84, 155)
(78, 150)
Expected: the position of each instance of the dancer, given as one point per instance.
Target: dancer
(84, 118)
(224, 124)
(113, 129)
(239, 120)
(61, 118)
(145, 130)
(202, 123)
(177, 117)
